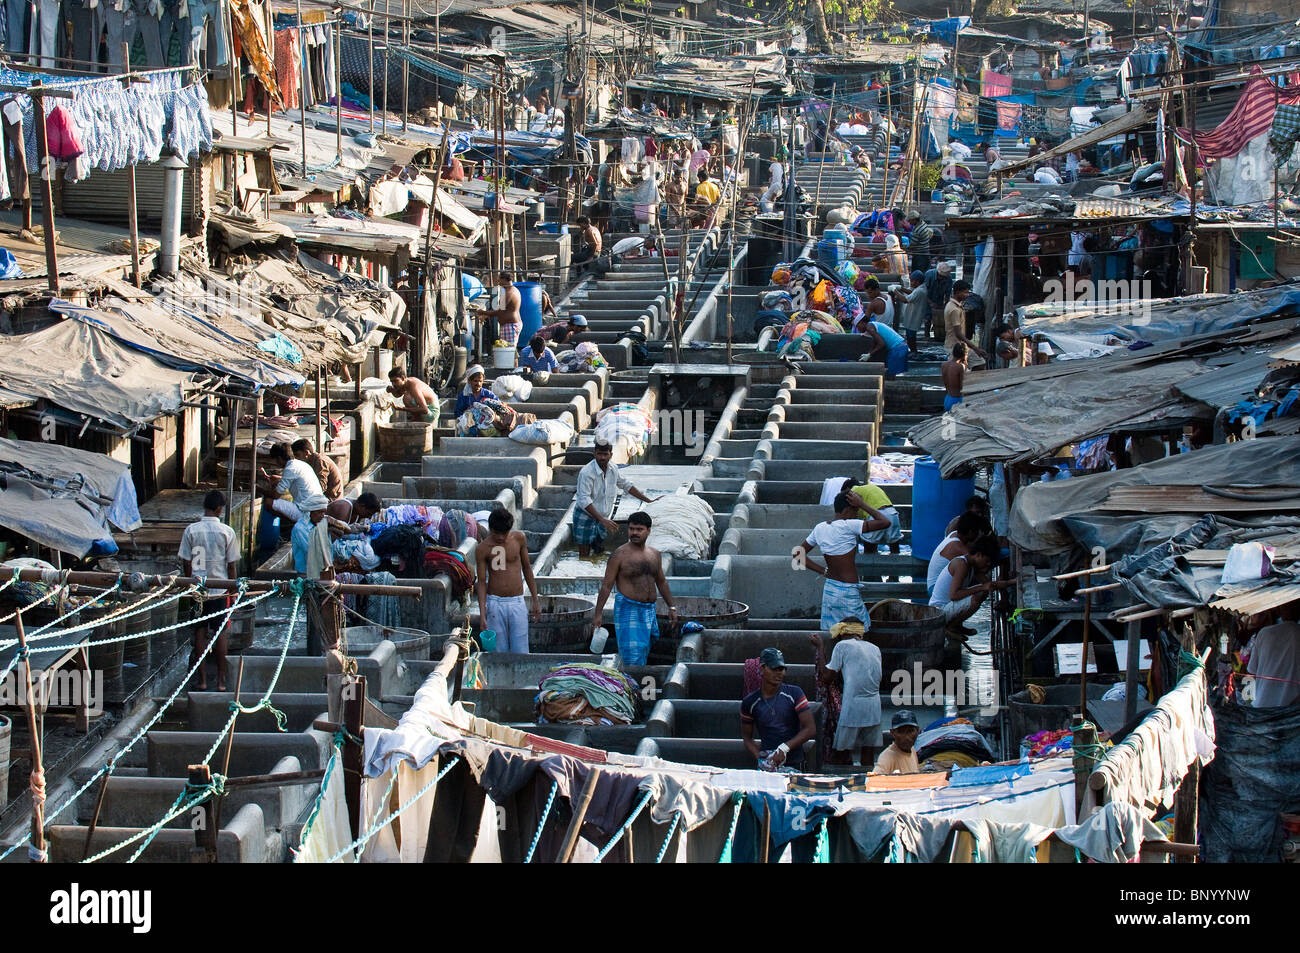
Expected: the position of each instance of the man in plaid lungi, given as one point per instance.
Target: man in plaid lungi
(507, 316)
(638, 571)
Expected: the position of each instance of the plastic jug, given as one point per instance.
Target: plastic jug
(598, 639)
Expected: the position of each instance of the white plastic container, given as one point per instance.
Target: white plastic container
(598, 640)
(503, 358)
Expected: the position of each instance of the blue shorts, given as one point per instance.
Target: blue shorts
(949, 402)
(896, 359)
(585, 529)
(635, 626)
(841, 600)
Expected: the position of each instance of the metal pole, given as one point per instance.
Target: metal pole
(406, 65)
(252, 488)
(1133, 633)
(338, 84)
(234, 76)
(388, 26)
(371, 90)
(302, 92)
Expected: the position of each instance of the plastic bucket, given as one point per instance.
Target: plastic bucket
(504, 358)
(488, 640)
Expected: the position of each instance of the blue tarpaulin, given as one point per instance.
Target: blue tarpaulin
(946, 30)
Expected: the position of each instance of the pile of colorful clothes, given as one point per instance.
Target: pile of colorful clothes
(453, 564)
(953, 741)
(893, 468)
(585, 693)
(584, 359)
(1047, 744)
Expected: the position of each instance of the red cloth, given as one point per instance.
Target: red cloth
(1252, 116)
(753, 678)
(62, 136)
(462, 579)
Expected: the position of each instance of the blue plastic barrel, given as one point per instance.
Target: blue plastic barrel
(934, 503)
(268, 530)
(530, 310)
(832, 250)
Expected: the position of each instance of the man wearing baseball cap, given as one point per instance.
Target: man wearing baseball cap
(899, 757)
(562, 332)
(780, 713)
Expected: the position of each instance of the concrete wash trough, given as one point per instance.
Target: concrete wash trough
(724, 753)
(719, 681)
(712, 720)
(850, 431)
(170, 753)
(771, 588)
(304, 675)
(242, 840)
(128, 799)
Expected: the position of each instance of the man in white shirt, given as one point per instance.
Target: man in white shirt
(297, 479)
(837, 538)
(210, 549)
(598, 483)
(1046, 175)
(1275, 660)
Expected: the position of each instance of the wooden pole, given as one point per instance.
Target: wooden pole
(230, 743)
(252, 489)
(37, 771)
(354, 706)
(1185, 812)
(270, 33)
(132, 212)
(1133, 634)
(205, 837)
(45, 169)
(94, 818)
(320, 408)
(579, 814)
(1084, 756)
(1083, 666)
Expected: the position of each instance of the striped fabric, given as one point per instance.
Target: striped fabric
(1252, 115)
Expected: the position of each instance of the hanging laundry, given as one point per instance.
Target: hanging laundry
(994, 83)
(1033, 122)
(1008, 118)
(941, 100)
(253, 46)
(1286, 129)
(967, 113)
(1252, 115)
(288, 62)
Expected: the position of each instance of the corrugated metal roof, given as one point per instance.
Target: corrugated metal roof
(1228, 384)
(1258, 600)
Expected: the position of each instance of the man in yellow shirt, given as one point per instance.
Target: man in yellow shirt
(899, 757)
(868, 494)
(707, 195)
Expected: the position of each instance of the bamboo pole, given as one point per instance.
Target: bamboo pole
(37, 771)
(579, 814)
(106, 579)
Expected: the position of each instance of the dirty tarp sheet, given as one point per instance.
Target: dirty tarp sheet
(1162, 576)
(86, 370)
(1254, 776)
(1039, 516)
(1035, 418)
(1159, 320)
(175, 338)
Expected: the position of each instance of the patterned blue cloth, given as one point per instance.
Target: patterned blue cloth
(586, 530)
(989, 774)
(636, 625)
(841, 600)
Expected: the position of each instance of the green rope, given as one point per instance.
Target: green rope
(546, 813)
(672, 829)
(111, 764)
(737, 799)
(137, 609)
(149, 833)
(85, 605)
(364, 839)
(618, 835)
(822, 854)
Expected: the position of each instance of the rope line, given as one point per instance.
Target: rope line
(546, 813)
(618, 835)
(131, 609)
(364, 839)
(335, 754)
(739, 799)
(110, 765)
(672, 829)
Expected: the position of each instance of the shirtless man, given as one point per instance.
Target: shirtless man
(418, 398)
(954, 375)
(507, 316)
(838, 540)
(502, 569)
(638, 571)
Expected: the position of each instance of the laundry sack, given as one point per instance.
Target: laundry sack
(543, 433)
(1247, 562)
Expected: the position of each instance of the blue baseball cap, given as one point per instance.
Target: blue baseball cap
(772, 658)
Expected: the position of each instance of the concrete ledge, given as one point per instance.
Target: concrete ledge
(532, 463)
(129, 800)
(171, 752)
(241, 841)
(209, 711)
(447, 490)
